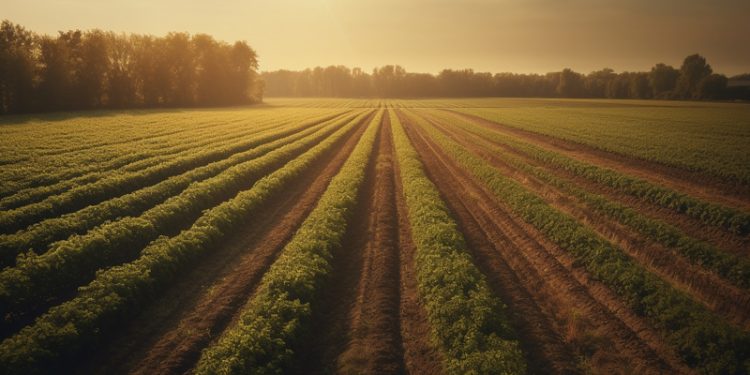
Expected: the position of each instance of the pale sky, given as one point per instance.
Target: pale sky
(522, 36)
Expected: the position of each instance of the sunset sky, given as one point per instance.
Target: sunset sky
(427, 35)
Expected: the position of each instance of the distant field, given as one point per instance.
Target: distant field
(378, 236)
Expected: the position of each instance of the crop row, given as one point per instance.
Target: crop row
(44, 167)
(69, 329)
(274, 320)
(120, 183)
(134, 161)
(733, 268)
(728, 218)
(111, 130)
(58, 140)
(710, 140)
(467, 322)
(45, 170)
(37, 237)
(36, 281)
(702, 339)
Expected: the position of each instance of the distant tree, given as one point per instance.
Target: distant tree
(663, 80)
(17, 66)
(421, 85)
(243, 64)
(387, 80)
(179, 59)
(150, 73)
(120, 77)
(361, 83)
(712, 87)
(55, 74)
(694, 69)
(619, 86)
(570, 84)
(638, 86)
(212, 78)
(97, 69)
(595, 83)
(91, 72)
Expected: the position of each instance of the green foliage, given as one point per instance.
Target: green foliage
(44, 233)
(118, 183)
(98, 69)
(693, 70)
(37, 279)
(468, 323)
(49, 154)
(274, 319)
(733, 268)
(599, 128)
(116, 293)
(702, 339)
(85, 164)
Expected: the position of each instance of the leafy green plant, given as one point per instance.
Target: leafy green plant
(275, 318)
(468, 323)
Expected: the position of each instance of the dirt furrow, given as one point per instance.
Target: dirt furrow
(167, 338)
(375, 340)
(420, 356)
(356, 327)
(693, 183)
(585, 312)
(717, 294)
(371, 320)
(546, 350)
(718, 237)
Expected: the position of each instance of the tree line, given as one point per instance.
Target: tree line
(97, 69)
(695, 79)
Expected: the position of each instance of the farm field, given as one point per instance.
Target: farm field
(378, 236)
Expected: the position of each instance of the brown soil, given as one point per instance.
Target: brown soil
(358, 327)
(584, 312)
(204, 140)
(420, 356)
(374, 345)
(717, 294)
(167, 338)
(716, 236)
(711, 189)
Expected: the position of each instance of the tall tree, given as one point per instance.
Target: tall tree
(243, 63)
(91, 74)
(663, 80)
(387, 80)
(17, 47)
(55, 74)
(694, 69)
(120, 77)
(179, 59)
(596, 83)
(570, 84)
(711, 87)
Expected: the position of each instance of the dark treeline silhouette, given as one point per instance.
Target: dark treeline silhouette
(694, 80)
(98, 69)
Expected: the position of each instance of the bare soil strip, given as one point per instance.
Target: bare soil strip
(370, 319)
(167, 338)
(546, 351)
(420, 356)
(375, 335)
(716, 236)
(356, 328)
(587, 314)
(718, 295)
(707, 188)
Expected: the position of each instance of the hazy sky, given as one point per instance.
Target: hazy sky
(427, 35)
